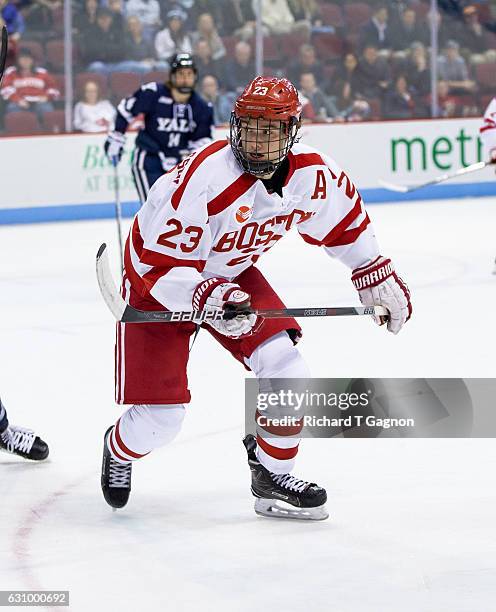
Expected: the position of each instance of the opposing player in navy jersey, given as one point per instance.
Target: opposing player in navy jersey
(177, 121)
(20, 441)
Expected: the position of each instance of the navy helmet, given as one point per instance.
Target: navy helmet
(178, 61)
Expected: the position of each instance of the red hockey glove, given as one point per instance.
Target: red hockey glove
(378, 285)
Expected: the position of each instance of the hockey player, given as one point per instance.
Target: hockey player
(193, 246)
(14, 439)
(177, 121)
(488, 137)
(20, 441)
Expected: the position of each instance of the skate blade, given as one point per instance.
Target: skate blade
(273, 508)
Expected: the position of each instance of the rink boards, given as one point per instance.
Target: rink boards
(67, 177)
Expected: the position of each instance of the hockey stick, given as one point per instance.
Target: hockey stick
(3, 51)
(125, 313)
(439, 179)
(118, 209)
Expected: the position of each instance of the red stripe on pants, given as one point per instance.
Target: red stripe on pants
(276, 452)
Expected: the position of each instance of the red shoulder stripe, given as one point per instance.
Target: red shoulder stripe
(230, 194)
(302, 160)
(212, 148)
(339, 229)
(349, 236)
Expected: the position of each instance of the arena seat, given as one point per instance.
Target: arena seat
(328, 46)
(331, 15)
(123, 84)
(161, 76)
(484, 74)
(54, 121)
(36, 49)
(356, 14)
(20, 123)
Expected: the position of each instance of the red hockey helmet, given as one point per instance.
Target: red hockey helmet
(264, 124)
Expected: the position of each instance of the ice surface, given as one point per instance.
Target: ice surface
(412, 521)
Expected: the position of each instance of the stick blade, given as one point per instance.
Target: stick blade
(109, 291)
(393, 187)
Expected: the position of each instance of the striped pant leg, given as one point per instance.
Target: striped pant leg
(142, 428)
(139, 174)
(277, 446)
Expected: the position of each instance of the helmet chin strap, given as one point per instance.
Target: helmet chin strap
(261, 168)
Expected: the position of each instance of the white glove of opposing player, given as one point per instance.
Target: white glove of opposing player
(218, 294)
(378, 285)
(114, 146)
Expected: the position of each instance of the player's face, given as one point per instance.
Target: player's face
(262, 140)
(185, 77)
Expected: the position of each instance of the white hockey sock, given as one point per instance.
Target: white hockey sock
(278, 358)
(143, 428)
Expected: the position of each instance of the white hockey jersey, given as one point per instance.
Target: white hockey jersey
(207, 218)
(488, 130)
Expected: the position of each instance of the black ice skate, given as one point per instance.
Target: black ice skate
(116, 478)
(23, 442)
(283, 495)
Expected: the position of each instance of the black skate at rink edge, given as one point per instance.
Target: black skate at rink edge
(264, 486)
(24, 443)
(116, 478)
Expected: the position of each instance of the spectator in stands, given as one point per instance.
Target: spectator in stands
(12, 18)
(373, 73)
(222, 103)
(118, 22)
(206, 30)
(39, 16)
(418, 70)
(446, 30)
(27, 87)
(345, 81)
(452, 69)
(323, 106)
(241, 69)
(148, 12)
(407, 32)
(377, 32)
(472, 37)
(306, 11)
(87, 17)
(452, 8)
(238, 18)
(92, 114)
(359, 110)
(173, 39)
(307, 62)
(213, 7)
(101, 47)
(399, 102)
(139, 52)
(206, 65)
(446, 101)
(278, 19)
